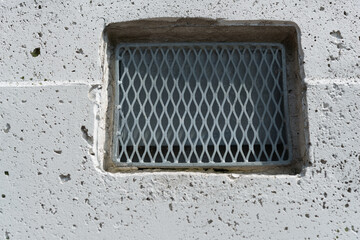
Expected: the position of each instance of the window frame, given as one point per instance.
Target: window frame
(205, 30)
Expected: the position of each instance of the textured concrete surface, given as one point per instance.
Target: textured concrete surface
(68, 34)
(52, 187)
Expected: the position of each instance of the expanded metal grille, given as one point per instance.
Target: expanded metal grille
(201, 104)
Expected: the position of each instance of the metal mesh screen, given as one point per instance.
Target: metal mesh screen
(201, 104)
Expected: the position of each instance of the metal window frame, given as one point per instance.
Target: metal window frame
(199, 165)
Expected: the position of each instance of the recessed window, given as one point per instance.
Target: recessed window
(203, 93)
(201, 104)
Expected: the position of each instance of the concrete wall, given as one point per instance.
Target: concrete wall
(53, 187)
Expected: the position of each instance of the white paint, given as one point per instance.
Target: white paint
(38, 121)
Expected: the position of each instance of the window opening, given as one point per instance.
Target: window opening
(201, 105)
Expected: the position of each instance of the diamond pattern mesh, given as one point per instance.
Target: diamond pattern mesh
(201, 104)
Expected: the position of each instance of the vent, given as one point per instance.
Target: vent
(201, 105)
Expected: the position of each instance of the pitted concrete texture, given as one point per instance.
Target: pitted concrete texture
(68, 34)
(53, 187)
